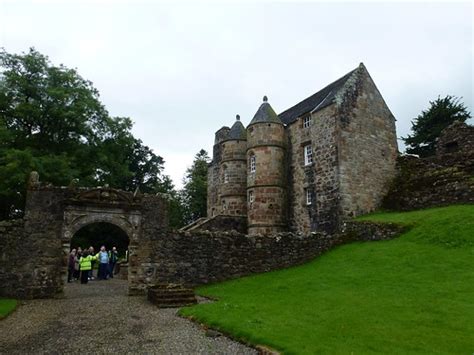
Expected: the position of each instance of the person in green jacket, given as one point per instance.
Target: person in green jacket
(85, 265)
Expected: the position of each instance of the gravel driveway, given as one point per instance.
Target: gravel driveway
(101, 318)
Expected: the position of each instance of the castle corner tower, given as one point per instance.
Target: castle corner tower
(266, 167)
(233, 174)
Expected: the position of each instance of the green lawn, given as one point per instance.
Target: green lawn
(6, 307)
(410, 295)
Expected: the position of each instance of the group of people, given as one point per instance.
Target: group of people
(81, 264)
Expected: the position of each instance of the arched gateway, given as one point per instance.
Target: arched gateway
(54, 214)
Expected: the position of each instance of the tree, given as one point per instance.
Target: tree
(52, 121)
(195, 188)
(428, 125)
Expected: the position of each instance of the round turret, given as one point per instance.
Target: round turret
(213, 176)
(233, 165)
(266, 172)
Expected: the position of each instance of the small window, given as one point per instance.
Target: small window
(253, 164)
(251, 197)
(306, 121)
(308, 154)
(309, 197)
(226, 176)
(224, 206)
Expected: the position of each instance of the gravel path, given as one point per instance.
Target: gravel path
(100, 318)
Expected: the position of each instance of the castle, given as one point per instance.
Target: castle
(327, 158)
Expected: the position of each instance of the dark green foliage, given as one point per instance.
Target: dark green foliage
(194, 195)
(52, 121)
(429, 124)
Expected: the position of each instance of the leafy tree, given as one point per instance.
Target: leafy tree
(195, 187)
(52, 121)
(429, 124)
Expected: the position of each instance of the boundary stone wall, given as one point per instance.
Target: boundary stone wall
(444, 179)
(207, 257)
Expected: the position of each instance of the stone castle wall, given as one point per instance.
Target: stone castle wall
(214, 206)
(443, 179)
(367, 147)
(267, 213)
(34, 250)
(14, 251)
(233, 177)
(201, 258)
(320, 177)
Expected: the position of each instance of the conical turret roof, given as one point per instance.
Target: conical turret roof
(237, 130)
(265, 113)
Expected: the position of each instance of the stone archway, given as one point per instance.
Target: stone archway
(54, 214)
(78, 217)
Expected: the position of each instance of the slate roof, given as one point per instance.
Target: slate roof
(265, 113)
(316, 102)
(237, 131)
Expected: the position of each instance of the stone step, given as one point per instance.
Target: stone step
(164, 295)
(167, 297)
(175, 300)
(173, 292)
(167, 305)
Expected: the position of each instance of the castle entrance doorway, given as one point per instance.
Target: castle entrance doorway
(91, 238)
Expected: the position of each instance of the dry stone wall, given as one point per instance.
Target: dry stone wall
(443, 179)
(200, 258)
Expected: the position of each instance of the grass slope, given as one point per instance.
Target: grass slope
(410, 295)
(7, 306)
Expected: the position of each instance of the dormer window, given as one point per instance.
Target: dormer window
(253, 164)
(307, 121)
(308, 154)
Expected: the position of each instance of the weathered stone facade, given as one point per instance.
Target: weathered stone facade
(35, 249)
(349, 133)
(443, 179)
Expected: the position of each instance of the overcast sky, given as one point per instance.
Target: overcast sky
(182, 71)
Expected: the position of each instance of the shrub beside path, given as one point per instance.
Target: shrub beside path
(101, 318)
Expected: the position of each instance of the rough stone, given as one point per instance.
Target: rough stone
(351, 133)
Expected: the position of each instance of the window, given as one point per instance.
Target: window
(309, 197)
(308, 154)
(306, 121)
(253, 164)
(224, 206)
(251, 197)
(226, 176)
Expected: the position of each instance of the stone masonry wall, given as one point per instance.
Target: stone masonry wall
(320, 177)
(142, 266)
(267, 214)
(200, 258)
(32, 261)
(33, 251)
(213, 174)
(233, 191)
(367, 146)
(443, 179)
(13, 248)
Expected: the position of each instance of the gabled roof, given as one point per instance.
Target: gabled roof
(265, 113)
(237, 131)
(316, 102)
